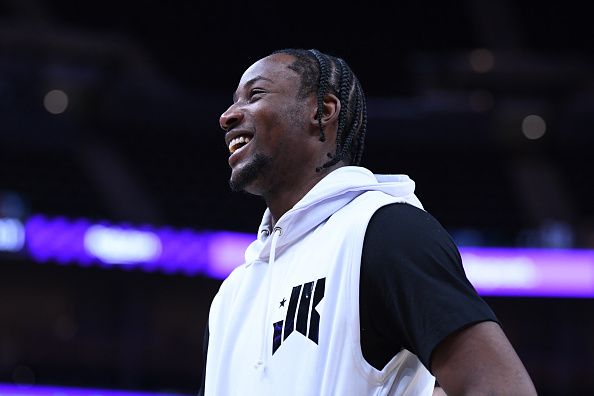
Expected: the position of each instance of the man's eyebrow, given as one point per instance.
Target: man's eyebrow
(250, 83)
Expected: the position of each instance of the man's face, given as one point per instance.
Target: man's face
(266, 127)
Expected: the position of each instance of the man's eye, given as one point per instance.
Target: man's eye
(256, 94)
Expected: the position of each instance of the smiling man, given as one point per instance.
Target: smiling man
(350, 288)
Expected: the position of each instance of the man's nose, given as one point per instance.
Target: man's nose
(230, 118)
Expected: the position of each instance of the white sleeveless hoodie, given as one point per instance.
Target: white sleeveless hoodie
(286, 322)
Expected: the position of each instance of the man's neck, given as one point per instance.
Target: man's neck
(284, 199)
(281, 202)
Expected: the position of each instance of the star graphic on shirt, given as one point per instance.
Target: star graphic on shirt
(282, 303)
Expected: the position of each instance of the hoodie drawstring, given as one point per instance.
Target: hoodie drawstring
(261, 363)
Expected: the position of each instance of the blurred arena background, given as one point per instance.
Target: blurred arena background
(109, 122)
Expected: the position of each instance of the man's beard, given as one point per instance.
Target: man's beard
(249, 173)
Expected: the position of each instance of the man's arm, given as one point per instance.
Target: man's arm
(412, 273)
(479, 360)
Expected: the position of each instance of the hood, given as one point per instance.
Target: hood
(334, 191)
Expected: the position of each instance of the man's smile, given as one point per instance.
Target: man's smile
(236, 139)
(238, 142)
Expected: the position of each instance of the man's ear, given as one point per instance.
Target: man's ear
(330, 114)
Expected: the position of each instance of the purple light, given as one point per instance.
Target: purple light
(225, 252)
(530, 272)
(183, 251)
(148, 248)
(57, 239)
(493, 271)
(29, 390)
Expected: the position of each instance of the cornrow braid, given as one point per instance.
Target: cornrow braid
(324, 74)
(345, 103)
(355, 126)
(322, 88)
(360, 146)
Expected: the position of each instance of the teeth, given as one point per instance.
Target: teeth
(238, 142)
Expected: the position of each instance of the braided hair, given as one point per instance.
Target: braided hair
(326, 74)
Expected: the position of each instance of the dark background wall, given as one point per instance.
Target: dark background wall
(448, 83)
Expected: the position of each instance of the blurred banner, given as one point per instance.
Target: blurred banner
(20, 390)
(523, 272)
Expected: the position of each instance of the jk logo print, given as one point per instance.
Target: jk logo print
(305, 319)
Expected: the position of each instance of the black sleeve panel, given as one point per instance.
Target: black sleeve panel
(204, 354)
(413, 289)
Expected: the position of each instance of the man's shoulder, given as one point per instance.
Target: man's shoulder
(403, 218)
(407, 231)
(235, 276)
(231, 282)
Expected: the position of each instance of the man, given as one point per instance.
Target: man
(351, 288)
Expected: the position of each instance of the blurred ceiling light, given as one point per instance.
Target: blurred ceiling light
(121, 246)
(12, 235)
(481, 60)
(56, 101)
(534, 127)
